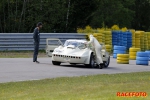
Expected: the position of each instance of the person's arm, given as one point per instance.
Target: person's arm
(91, 40)
(35, 35)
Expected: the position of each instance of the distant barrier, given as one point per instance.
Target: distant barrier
(24, 41)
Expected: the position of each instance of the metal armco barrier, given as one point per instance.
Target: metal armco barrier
(24, 41)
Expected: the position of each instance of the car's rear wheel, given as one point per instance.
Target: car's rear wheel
(92, 62)
(56, 63)
(106, 63)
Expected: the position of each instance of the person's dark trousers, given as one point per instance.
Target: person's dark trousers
(36, 50)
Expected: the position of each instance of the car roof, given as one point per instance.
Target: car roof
(76, 40)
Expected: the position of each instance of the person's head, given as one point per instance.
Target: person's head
(39, 24)
(91, 35)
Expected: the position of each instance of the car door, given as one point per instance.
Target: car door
(51, 44)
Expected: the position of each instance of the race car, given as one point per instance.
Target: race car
(77, 52)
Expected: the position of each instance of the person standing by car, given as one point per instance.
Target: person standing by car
(97, 47)
(36, 37)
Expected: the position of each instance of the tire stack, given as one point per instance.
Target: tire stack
(108, 48)
(146, 41)
(108, 37)
(123, 39)
(118, 50)
(115, 38)
(123, 58)
(148, 54)
(142, 40)
(132, 53)
(133, 37)
(148, 37)
(129, 39)
(98, 36)
(137, 40)
(142, 58)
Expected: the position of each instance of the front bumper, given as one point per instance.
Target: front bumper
(69, 59)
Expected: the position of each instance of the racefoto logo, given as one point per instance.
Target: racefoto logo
(131, 94)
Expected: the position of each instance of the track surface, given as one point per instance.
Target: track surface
(22, 69)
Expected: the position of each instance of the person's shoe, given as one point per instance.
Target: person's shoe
(37, 62)
(100, 66)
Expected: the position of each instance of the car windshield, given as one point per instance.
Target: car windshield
(75, 43)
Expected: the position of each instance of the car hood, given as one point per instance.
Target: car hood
(72, 51)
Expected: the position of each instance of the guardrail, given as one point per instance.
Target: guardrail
(24, 41)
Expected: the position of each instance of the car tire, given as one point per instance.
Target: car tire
(106, 63)
(56, 63)
(72, 63)
(138, 62)
(142, 54)
(91, 65)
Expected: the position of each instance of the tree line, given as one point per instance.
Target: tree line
(21, 16)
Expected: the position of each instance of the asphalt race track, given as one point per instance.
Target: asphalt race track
(22, 69)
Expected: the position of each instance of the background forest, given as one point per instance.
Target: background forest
(21, 16)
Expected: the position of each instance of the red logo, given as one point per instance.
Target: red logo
(131, 94)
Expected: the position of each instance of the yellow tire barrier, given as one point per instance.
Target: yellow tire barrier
(108, 46)
(123, 55)
(137, 46)
(108, 50)
(123, 59)
(137, 36)
(122, 62)
(132, 57)
(134, 49)
(132, 53)
(97, 34)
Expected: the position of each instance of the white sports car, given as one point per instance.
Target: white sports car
(77, 52)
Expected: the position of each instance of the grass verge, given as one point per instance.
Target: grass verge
(98, 87)
(20, 54)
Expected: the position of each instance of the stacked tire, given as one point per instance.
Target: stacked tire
(148, 37)
(129, 39)
(98, 36)
(121, 39)
(133, 37)
(145, 41)
(108, 37)
(148, 54)
(142, 58)
(108, 48)
(118, 50)
(115, 37)
(132, 53)
(123, 58)
(142, 40)
(137, 40)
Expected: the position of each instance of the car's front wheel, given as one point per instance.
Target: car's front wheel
(56, 63)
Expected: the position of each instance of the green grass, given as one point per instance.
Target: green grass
(99, 87)
(20, 54)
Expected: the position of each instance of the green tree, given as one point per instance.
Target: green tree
(81, 13)
(142, 15)
(112, 12)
